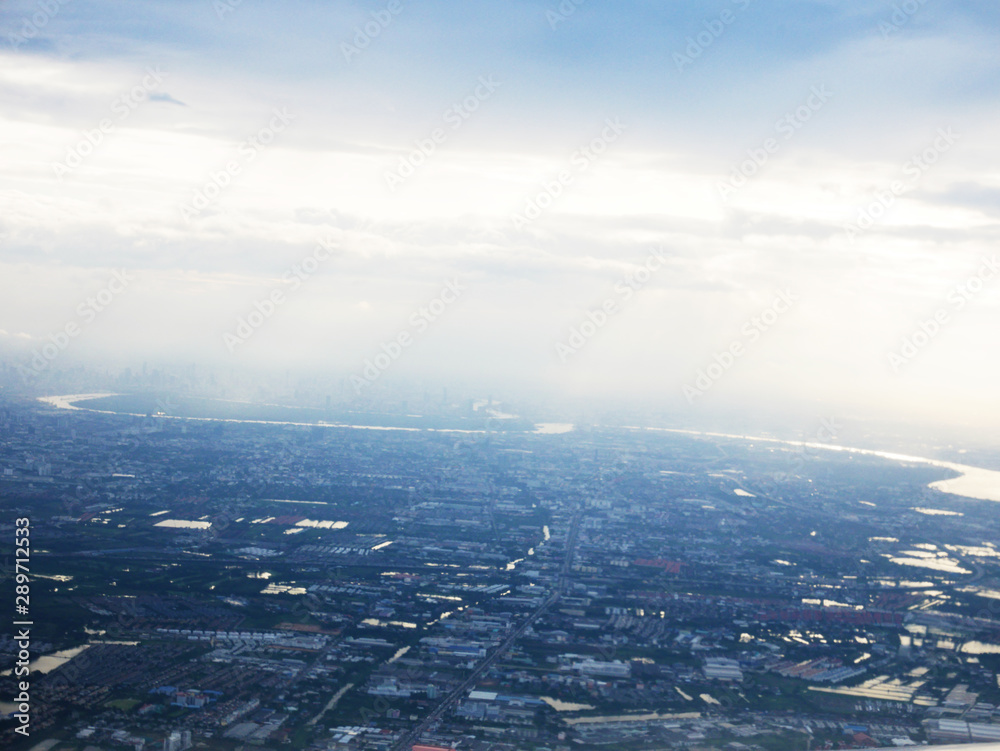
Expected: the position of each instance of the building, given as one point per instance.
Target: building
(178, 740)
(719, 668)
(614, 669)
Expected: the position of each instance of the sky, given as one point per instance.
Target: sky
(699, 204)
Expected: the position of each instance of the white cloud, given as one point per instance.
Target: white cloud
(657, 186)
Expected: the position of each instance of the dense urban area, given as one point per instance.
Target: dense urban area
(463, 579)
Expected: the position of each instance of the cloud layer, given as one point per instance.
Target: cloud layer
(750, 140)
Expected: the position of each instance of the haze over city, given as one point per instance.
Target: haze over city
(620, 194)
(536, 375)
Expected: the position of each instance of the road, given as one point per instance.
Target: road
(404, 743)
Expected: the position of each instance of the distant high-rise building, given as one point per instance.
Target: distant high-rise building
(178, 740)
